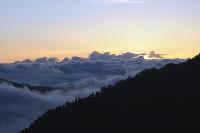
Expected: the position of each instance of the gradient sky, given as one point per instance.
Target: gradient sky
(36, 28)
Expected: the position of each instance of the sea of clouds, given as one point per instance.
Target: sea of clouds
(75, 77)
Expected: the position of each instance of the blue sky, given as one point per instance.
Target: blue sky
(33, 28)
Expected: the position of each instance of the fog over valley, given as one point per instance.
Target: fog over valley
(44, 83)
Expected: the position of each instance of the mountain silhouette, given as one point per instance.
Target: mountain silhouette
(165, 99)
(41, 89)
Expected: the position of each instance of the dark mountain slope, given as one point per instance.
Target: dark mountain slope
(167, 99)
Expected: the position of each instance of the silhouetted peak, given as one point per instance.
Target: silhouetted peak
(155, 99)
(197, 58)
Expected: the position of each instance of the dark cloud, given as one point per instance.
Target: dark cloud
(42, 60)
(76, 58)
(27, 61)
(99, 56)
(53, 59)
(152, 54)
(107, 56)
(66, 59)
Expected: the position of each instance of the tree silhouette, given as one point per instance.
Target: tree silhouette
(165, 99)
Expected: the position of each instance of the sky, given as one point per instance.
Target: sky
(63, 28)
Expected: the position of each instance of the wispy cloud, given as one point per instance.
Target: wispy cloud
(120, 1)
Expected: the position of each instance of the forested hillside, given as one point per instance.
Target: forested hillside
(155, 99)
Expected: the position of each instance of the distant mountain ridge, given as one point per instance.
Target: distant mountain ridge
(165, 99)
(30, 87)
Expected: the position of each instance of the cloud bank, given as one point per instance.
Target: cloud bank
(20, 107)
(75, 77)
(49, 71)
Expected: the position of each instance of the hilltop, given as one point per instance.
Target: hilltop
(155, 99)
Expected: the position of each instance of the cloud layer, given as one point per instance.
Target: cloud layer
(20, 107)
(50, 71)
(75, 77)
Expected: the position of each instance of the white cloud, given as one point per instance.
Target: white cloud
(46, 72)
(19, 107)
(77, 77)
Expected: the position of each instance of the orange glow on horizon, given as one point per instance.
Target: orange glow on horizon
(69, 54)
